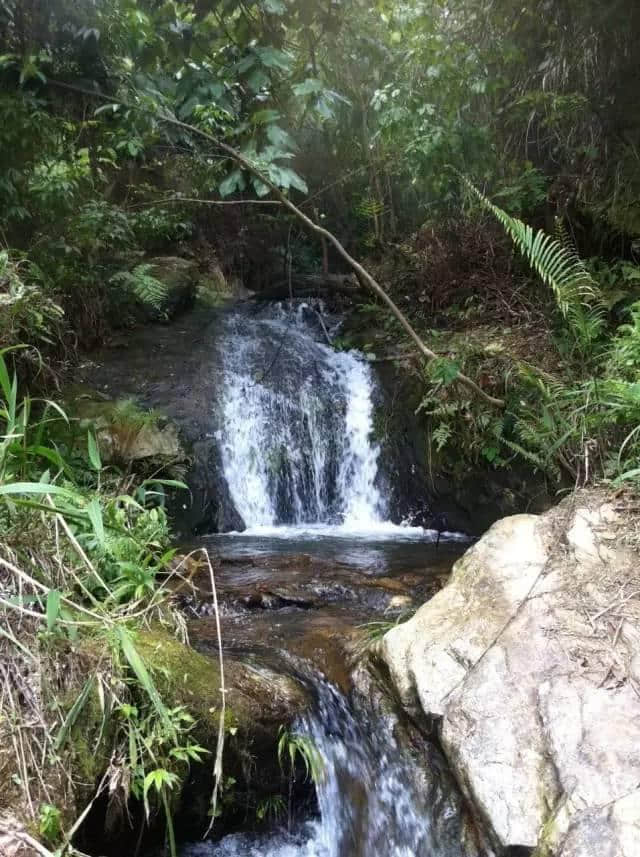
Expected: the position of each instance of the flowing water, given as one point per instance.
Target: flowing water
(304, 471)
(297, 424)
(370, 803)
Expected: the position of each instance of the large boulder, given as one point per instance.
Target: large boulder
(527, 662)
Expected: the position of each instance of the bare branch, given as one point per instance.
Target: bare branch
(363, 275)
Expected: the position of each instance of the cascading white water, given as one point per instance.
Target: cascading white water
(296, 424)
(368, 804)
(371, 803)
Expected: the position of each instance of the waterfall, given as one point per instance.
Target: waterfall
(296, 433)
(372, 803)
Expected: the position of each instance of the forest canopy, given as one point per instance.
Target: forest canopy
(395, 125)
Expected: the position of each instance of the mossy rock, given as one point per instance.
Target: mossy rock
(258, 700)
(125, 432)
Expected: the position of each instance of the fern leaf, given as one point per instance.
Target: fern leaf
(143, 285)
(558, 265)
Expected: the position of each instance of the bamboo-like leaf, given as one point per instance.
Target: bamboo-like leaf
(73, 714)
(37, 488)
(5, 383)
(95, 516)
(141, 672)
(94, 451)
(53, 608)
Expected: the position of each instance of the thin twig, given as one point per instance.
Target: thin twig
(615, 604)
(217, 768)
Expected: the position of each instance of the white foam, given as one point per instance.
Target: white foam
(384, 531)
(307, 438)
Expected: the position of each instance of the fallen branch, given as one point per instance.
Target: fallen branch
(362, 274)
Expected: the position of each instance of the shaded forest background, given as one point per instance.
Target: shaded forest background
(366, 115)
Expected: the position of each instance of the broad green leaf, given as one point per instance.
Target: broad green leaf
(258, 80)
(279, 137)
(310, 86)
(233, 182)
(289, 178)
(274, 7)
(272, 58)
(264, 117)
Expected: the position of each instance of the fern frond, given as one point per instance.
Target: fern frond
(369, 208)
(558, 265)
(143, 285)
(538, 462)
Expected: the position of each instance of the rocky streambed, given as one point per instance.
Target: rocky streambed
(502, 719)
(312, 618)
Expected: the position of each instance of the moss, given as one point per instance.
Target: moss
(186, 677)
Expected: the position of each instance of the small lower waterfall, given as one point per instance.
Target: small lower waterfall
(296, 422)
(371, 802)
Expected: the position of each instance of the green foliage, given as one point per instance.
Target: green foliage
(155, 227)
(526, 192)
(559, 266)
(122, 545)
(50, 823)
(26, 313)
(625, 348)
(271, 809)
(142, 286)
(294, 747)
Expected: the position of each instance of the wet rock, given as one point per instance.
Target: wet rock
(259, 700)
(400, 602)
(434, 489)
(173, 368)
(526, 662)
(302, 582)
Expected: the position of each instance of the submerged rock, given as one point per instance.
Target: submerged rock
(527, 660)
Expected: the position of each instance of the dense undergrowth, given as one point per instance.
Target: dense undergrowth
(563, 358)
(85, 559)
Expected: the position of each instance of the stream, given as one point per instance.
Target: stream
(317, 560)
